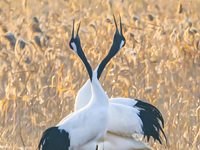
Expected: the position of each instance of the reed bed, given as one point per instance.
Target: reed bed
(40, 76)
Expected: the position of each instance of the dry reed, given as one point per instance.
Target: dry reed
(40, 76)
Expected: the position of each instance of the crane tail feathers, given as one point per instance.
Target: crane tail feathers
(54, 138)
(153, 122)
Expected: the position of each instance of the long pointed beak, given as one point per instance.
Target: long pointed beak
(120, 25)
(115, 24)
(78, 29)
(73, 29)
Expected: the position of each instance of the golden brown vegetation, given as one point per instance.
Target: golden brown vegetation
(40, 76)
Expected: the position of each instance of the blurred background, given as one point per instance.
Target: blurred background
(40, 76)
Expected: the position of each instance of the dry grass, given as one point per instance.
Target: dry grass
(160, 63)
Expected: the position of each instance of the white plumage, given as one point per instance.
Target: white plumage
(89, 124)
(124, 120)
(84, 95)
(115, 142)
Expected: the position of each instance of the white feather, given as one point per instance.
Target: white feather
(84, 126)
(88, 125)
(123, 117)
(84, 95)
(115, 142)
(124, 101)
(124, 120)
(122, 44)
(74, 47)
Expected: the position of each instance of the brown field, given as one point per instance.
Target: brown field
(159, 64)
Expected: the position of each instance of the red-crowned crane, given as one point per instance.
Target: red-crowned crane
(126, 116)
(80, 130)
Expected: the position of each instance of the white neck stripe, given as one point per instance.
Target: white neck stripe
(74, 47)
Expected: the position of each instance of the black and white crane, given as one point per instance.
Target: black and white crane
(126, 116)
(80, 130)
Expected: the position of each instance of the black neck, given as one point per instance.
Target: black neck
(110, 55)
(86, 63)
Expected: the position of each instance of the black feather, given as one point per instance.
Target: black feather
(54, 139)
(150, 108)
(151, 118)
